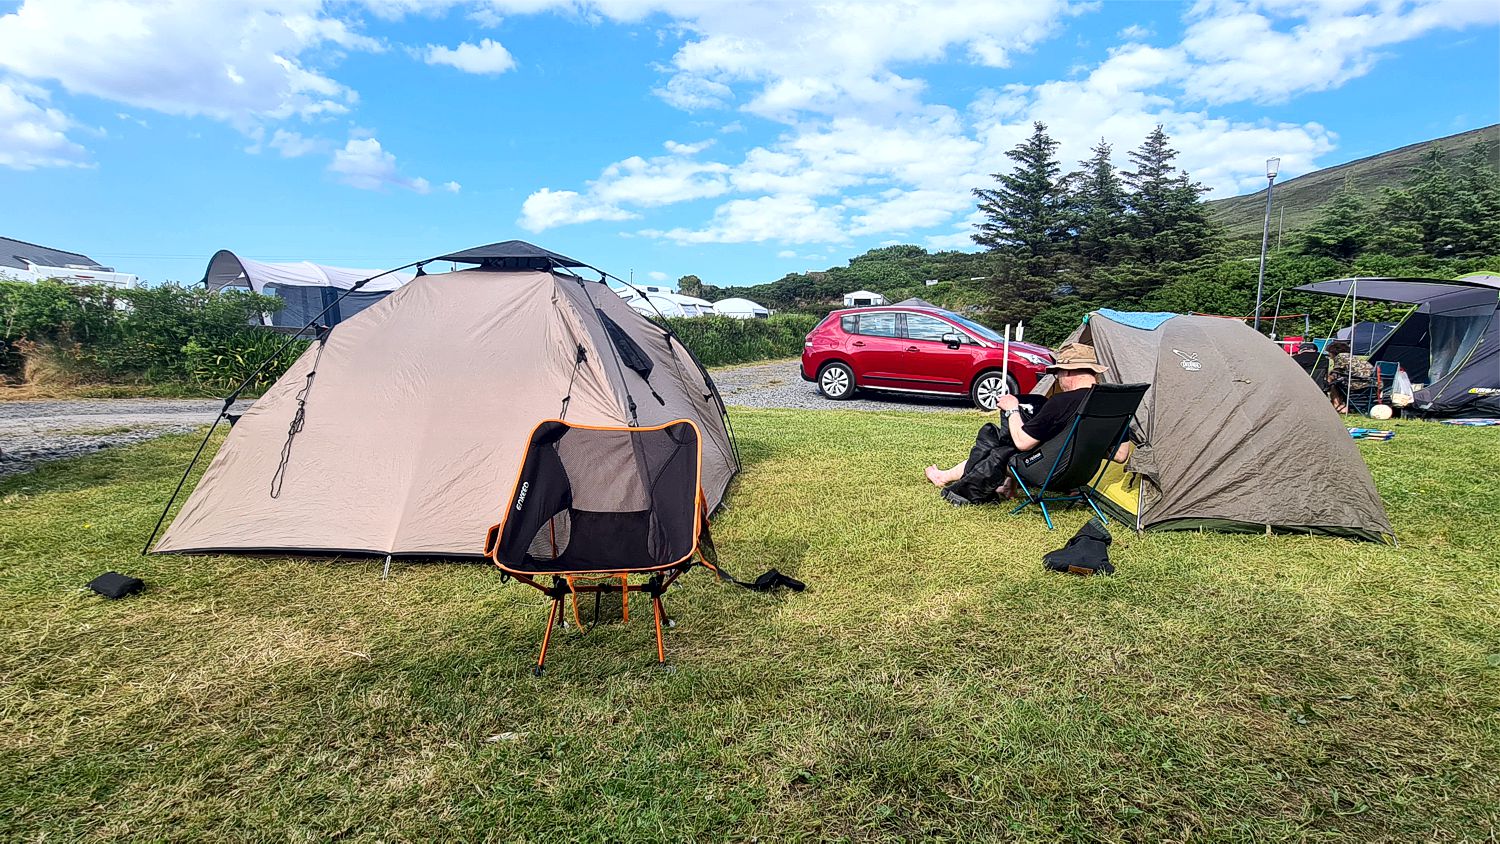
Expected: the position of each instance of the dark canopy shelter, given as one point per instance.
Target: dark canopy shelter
(1450, 342)
(1363, 337)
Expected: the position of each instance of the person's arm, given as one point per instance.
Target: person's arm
(1009, 407)
(1122, 453)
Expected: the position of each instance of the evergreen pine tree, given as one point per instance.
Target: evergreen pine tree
(1342, 230)
(1169, 219)
(1096, 203)
(1425, 215)
(1024, 212)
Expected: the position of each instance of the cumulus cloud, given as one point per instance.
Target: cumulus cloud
(157, 55)
(294, 144)
(452, 187)
(487, 57)
(363, 164)
(658, 275)
(548, 208)
(33, 134)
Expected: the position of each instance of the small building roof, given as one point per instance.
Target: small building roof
(19, 254)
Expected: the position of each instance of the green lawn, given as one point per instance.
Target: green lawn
(933, 682)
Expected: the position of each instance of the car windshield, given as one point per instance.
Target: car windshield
(986, 333)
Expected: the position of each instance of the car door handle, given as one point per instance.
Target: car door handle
(912, 349)
(857, 343)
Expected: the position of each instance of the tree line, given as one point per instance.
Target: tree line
(1058, 244)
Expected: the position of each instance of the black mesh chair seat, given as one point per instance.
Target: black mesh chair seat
(1064, 468)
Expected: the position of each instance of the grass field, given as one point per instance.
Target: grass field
(933, 682)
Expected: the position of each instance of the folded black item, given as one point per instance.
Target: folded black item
(112, 584)
(1086, 553)
(774, 579)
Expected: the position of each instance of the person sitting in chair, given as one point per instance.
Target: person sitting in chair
(985, 476)
(1347, 375)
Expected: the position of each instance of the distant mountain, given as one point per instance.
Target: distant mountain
(1243, 216)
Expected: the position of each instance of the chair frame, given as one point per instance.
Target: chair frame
(1085, 492)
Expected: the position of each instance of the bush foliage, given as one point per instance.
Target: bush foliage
(718, 340)
(160, 335)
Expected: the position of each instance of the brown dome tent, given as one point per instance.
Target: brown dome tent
(1232, 435)
(401, 430)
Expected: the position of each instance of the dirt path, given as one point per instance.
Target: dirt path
(35, 431)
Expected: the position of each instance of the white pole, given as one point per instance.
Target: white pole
(1005, 362)
(1020, 329)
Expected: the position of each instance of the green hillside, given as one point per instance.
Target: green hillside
(1243, 216)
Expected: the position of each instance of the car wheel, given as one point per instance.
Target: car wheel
(989, 387)
(836, 381)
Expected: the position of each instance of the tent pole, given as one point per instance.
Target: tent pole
(386, 574)
(1353, 321)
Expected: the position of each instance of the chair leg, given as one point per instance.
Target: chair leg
(1045, 515)
(541, 659)
(1090, 499)
(661, 648)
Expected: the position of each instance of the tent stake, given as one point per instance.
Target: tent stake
(386, 574)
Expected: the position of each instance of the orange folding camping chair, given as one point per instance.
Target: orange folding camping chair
(604, 510)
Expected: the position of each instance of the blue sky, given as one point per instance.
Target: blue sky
(735, 140)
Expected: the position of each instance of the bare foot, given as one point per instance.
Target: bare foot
(935, 475)
(1007, 490)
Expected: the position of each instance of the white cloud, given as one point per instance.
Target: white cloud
(1134, 32)
(547, 209)
(687, 149)
(787, 253)
(452, 187)
(657, 275)
(486, 57)
(784, 219)
(294, 144)
(33, 134)
(166, 56)
(363, 164)
(832, 57)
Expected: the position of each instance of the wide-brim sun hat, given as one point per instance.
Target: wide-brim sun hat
(1075, 357)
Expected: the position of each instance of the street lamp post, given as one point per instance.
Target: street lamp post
(1272, 165)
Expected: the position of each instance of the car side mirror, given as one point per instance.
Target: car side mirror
(953, 340)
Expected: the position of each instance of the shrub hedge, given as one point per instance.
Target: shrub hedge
(719, 340)
(173, 335)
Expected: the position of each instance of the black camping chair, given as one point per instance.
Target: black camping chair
(1068, 464)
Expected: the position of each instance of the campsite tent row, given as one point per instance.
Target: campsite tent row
(398, 431)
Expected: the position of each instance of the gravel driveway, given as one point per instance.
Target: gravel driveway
(35, 431)
(780, 384)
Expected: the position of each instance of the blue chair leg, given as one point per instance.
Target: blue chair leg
(1100, 513)
(1045, 515)
(1030, 499)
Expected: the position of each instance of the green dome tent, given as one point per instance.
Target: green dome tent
(1232, 435)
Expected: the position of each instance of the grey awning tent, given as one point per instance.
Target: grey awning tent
(306, 289)
(915, 302)
(1450, 342)
(1231, 436)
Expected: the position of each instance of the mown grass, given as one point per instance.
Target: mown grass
(933, 682)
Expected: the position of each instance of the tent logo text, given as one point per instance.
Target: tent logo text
(1189, 361)
(521, 496)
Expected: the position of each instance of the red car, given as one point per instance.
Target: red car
(916, 350)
